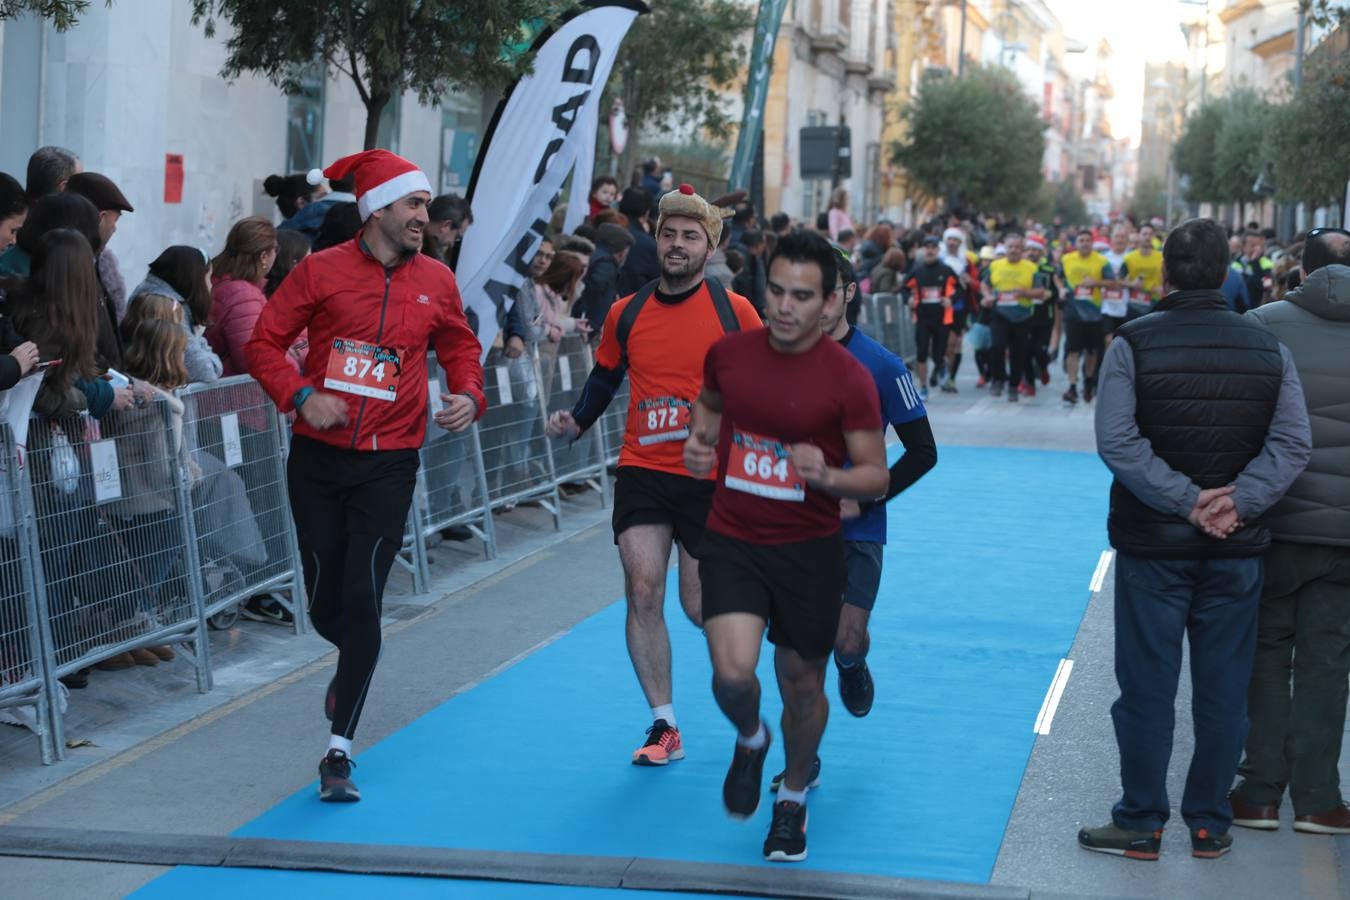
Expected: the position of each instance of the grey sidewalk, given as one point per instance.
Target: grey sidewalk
(170, 760)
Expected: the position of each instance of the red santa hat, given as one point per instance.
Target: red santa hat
(381, 178)
(1036, 240)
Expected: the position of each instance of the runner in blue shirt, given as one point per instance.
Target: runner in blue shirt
(865, 524)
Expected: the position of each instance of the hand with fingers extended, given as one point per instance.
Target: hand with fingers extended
(457, 412)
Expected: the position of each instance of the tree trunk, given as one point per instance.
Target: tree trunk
(374, 109)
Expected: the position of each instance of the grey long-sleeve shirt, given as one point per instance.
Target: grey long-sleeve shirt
(1130, 457)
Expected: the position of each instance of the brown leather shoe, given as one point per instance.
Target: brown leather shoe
(164, 652)
(1333, 821)
(116, 663)
(1251, 815)
(144, 657)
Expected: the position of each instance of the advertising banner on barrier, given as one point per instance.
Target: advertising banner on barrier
(542, 127)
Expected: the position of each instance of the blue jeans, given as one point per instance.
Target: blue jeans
(1213, 602)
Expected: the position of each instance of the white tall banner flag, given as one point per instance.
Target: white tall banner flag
(579, 200)
(546, 122)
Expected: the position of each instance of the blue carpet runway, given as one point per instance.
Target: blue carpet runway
(986, 580)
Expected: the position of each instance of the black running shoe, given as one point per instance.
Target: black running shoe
(266, 609)
(856, 689)
(330, 699)
(777, 781)
(1119, 841)
(1089, 389)
(1205, 844)
(335, 778)
(787, 833)
(1071, 395)
(740, 790)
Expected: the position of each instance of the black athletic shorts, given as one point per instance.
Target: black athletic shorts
(648, 497)
(1111, 323)
(797, 588)
(1082, 337)
(959, 321)
(862, 562)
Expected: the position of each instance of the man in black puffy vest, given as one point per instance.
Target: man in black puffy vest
(1200, 417)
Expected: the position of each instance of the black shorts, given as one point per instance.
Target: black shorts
(796, 588)
(648, 497)
(959, 321)
(1082, 337)
(862, 561)
(1111, 323)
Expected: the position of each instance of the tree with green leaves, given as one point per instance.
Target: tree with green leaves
(1195, 151)
(1063, 199)
(384, 46)
(1308, 137)
(1240, 146)
(976, 139)
(1150, 198)
(63, 14)
(677, 64)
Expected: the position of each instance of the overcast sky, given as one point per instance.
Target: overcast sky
(1139, 31)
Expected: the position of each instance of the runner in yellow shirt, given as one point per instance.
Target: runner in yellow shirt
(1009, 290)
(1083, 271)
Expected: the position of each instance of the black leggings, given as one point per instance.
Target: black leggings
(930, 338)
(350, 508)
(1008, 353)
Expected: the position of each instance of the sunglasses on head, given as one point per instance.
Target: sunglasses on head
(1316, 232)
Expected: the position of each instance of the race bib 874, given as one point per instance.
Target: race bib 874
(364, 369)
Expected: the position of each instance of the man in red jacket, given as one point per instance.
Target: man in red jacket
(374, 306)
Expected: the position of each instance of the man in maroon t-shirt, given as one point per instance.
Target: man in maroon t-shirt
(780, 410)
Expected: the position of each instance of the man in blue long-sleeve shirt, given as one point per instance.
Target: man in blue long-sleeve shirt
(1200, 417)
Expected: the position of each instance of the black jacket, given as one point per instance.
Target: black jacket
(1207, 382)
(641, 266)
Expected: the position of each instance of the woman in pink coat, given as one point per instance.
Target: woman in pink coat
(237, 297)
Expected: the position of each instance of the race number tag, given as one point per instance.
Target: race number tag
(364, 369)
(230, 447)
(761, 466)
(1008, 298)
(565, 371)
(1114, 302)
(930, 295)
(661, 419)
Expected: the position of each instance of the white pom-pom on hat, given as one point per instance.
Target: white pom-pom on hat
(314, 176)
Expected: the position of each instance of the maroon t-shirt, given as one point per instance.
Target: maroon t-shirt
(771, 400)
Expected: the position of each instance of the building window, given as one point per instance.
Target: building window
(461, 116)
(304, 122)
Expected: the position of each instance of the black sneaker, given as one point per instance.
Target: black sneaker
(856, 688)
(740, 790)
(1089, 389)
(787, 833)
(1071, 395)
(330, 699)
(335, 778)
(996, 388)
(1121, 842)
(265, 609)
(1207, 845)
(777, 781)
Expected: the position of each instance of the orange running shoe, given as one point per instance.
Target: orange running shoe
(663, 745)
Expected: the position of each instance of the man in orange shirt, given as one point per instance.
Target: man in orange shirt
(659, 337)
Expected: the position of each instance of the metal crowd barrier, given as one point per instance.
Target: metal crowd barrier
(116, 568)
(894, 324)
(241, 519)
(27, 685)
(517, 455)
(451, 487)
(563, 368)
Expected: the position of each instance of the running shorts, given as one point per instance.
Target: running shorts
(796, 588)
(1111, 323)
(862, 563)
(1082, 337)
(648, 497)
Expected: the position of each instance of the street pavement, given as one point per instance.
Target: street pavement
(161, 758)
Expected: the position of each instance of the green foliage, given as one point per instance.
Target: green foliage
(1240, 146)
(1150, 198)
(383, 46)
(64, 14)
(1193, 155)
(974, 139)
(1060, 198)
(677, 62)
(1326, 12)
(1309, 136)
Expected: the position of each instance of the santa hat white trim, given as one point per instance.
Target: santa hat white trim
(391, 191)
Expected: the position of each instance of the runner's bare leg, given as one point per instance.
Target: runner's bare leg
(644, 551)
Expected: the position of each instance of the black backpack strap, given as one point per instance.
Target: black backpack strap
(624, 326)
(726, 313)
